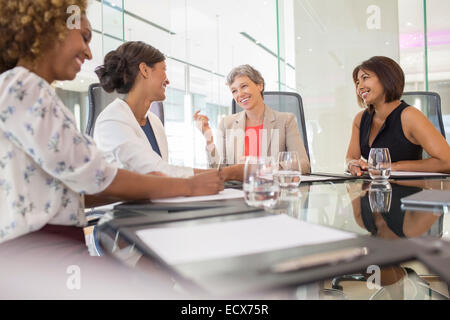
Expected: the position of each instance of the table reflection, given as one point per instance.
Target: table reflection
(378, 210)
(358, 206)
(380, 196)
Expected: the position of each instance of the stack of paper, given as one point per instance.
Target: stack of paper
(418, 174)
(222, 195)
(177, 245)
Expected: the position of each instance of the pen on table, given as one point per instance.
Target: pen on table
(320, 259)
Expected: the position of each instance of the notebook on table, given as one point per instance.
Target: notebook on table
(416, 174)
(428, 200)
(429, 197)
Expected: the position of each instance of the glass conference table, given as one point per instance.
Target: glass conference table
(371, 211)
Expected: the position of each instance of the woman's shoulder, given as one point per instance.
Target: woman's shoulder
(20, 80)
(114, 111)
(271, 113)
(229, 120)
(283, 118)
(358, 117)
(20, 86)
(411, 114)
(282, 114)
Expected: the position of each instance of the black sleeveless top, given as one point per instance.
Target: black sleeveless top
(390, 136)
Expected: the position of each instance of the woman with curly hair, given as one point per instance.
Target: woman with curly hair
(49, 171)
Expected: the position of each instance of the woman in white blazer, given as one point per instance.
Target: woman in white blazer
(255, 131)
(120, 136)
(126, 130)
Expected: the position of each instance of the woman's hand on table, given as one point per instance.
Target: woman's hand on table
(357, 167)
(206, 183)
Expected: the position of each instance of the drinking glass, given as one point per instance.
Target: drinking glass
(380, 197)
(259, 187)
(288, 173)
(379, 164)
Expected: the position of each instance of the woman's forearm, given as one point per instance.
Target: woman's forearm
(128, 185)
(234, 172)
(425, 165)
(96, 200)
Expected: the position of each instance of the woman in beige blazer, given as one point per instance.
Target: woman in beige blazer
(268, 131)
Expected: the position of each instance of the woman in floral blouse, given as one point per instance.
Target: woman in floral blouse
(49, 171)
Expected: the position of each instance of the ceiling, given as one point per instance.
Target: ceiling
(208, 34)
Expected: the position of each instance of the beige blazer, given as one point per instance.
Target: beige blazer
(280, 133)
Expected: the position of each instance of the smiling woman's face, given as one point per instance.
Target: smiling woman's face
(67, 56)
(369, 87)
(158, 81)
(246, 93)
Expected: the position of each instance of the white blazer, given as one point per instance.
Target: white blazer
(122, 140)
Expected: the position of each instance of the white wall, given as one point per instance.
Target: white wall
(332, 38)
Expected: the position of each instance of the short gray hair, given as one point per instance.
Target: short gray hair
(246, 70)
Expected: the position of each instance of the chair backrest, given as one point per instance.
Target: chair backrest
(430, 104)
(286, 102)
(99, 99)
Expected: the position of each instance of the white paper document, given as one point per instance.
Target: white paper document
(412, 173)
(313, 178)
(177, 245)
(222, 195)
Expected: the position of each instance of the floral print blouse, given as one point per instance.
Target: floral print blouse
(46, 164)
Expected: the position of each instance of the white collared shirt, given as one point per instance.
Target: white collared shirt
(119, 135)
(46, 164)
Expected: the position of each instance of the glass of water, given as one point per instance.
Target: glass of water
(379, 164)
(380, 197)
(288, 173)
(259, 187)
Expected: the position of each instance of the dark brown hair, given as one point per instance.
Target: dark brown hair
(389, 73)
(30, 27)
(121, 66)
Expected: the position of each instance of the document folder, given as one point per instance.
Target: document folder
(416, 175)
(224, 277)
(428, 197)
(397, 175)
(148, 206)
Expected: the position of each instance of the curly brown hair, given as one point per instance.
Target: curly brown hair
(29, 27)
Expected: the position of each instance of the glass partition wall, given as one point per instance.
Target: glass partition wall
(305, 46)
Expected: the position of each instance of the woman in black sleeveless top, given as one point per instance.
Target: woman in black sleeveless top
(390, 136)
(388, 122)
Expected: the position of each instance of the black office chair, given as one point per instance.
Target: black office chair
(99, 99)
(430, 104)
(285, 102)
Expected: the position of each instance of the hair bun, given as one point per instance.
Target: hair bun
(111, 72)
(121, 66)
